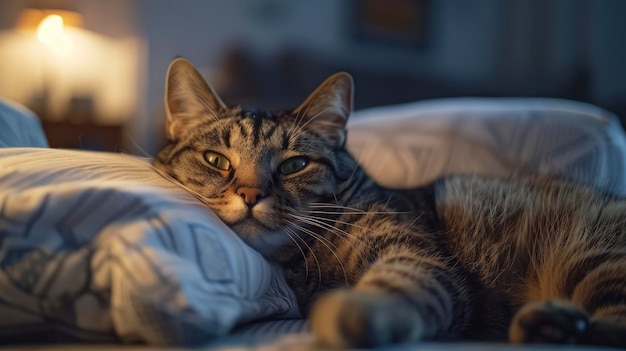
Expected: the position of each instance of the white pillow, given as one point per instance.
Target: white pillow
(411, 144)
(98, 246)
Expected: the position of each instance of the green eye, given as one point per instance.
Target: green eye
(293, 165)
(216, 160)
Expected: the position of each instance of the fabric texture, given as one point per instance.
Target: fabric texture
(99, 247)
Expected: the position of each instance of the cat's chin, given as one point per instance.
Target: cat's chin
(249, 227)
(262, 239)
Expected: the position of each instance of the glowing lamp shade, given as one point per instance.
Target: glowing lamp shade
(50, 29)
(31, 18)
(50, 24)
(51, 32)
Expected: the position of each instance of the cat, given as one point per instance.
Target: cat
(534, 260)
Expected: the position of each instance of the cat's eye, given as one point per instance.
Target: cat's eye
(293, 165)
(217, 160)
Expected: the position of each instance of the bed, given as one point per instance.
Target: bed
(98, 249)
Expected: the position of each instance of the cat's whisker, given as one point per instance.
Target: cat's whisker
(317, 236)
(362, 213)
(311, 251)
(365, 200)
(326, 243)
(330, 225)
(327, 205)
(318, 222)
(354, 211)
(292, 235)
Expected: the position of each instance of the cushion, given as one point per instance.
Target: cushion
(19, 127)
(411, 144)
(99, 247)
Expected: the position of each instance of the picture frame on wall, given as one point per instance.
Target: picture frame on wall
(401, 23)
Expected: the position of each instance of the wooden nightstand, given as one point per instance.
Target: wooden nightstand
(86, 136)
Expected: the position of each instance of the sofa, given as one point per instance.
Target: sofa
(98, 251)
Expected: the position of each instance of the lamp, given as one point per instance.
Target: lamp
(38, 10)
(31, 18)
(49, 18)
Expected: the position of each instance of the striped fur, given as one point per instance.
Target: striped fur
(539, 260)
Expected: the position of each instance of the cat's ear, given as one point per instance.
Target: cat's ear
(189, 99)
(328, 108)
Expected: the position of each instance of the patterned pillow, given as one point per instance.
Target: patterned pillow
(99, 247)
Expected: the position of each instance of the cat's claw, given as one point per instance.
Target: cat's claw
(549, 322)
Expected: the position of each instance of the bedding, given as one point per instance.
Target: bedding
(99, 247)
(406, 145)
(19, 127)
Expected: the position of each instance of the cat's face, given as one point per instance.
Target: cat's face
(262, 174)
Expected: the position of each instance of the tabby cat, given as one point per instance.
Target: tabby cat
(534, 260)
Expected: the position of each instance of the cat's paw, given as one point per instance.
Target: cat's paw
(549, 322)
(358, 319)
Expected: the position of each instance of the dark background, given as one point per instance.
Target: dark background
(272, 53)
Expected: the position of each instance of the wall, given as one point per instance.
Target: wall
(460, 47)
(202, 30)
(608, 51)
(532, 47)
(492, 46)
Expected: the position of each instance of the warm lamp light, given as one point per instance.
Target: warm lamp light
(31, 18)
(50, 29)
(50, 19)
(51, 32)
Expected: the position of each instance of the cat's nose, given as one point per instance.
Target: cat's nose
(250, 195)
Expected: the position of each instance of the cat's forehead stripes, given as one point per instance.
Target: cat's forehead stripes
(259, 120)
(226, 135)
(254, 133)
